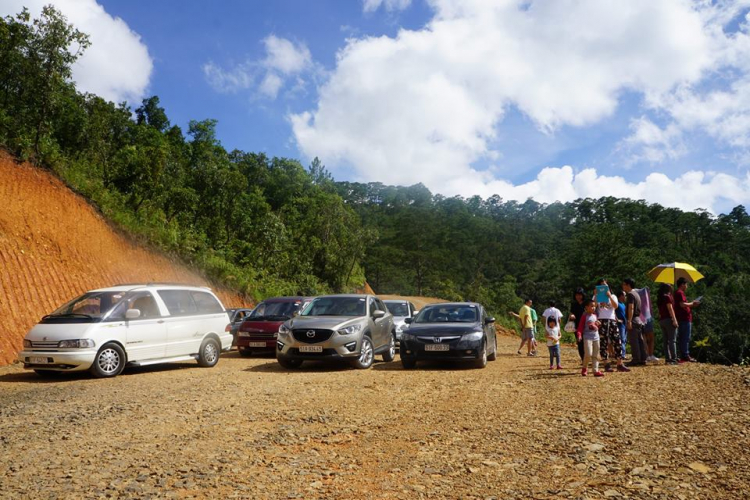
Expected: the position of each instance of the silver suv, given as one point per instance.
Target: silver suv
(353, 327)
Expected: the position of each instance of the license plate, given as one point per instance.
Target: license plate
(38, 360)
(437, 347)
(256, 344)
(311, 348)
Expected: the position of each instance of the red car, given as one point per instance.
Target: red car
(257, 334)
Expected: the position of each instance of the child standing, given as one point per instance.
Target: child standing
(553, 342)
(588, 330)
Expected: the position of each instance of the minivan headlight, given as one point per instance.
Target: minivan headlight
(350, 329)
(26, 343)
(78, 343)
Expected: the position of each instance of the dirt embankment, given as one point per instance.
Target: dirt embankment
(54, 246)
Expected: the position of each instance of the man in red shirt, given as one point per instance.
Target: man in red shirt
(684, 314)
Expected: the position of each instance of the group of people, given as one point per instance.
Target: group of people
(606, 323)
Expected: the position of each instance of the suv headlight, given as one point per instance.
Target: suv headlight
(284, 330)
(78, 344)
(350, 329)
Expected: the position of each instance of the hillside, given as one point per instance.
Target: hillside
(54, 245)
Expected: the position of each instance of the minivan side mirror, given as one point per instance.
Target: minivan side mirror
(489, 320)
(416, 311)
(132, 314)
(408, 320)
(378, 314)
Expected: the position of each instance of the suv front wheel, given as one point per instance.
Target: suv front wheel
(390, 354)
(366, 354)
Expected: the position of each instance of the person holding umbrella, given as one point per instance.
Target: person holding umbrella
(684, 314)
(681, 274)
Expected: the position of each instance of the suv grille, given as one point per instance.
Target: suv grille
(312, 336)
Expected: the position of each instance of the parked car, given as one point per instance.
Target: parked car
(401, 309)
(459, 331)
(104, 330)
(236, 317)
(350, 327)
(257, 333)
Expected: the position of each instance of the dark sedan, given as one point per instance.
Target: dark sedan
(456, 331)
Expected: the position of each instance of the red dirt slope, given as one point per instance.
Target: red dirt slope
(54, 246)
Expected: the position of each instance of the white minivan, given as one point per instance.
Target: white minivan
(141, 324)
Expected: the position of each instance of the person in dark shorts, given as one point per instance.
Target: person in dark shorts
(577, 310)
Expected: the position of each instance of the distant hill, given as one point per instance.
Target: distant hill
(54, 245)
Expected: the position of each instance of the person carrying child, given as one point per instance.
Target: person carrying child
(553, 342)
(588, 334)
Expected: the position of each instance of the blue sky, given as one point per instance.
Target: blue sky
(549, 99)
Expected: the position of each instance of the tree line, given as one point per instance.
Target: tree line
(269, 226)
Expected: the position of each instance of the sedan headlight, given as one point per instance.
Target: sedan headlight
(407, 336)
(78, 344)
(284, 330)
(26, 343)
(472, 336)
(350, 329)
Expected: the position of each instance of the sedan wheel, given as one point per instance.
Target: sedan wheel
(390, 354)
(366, 356)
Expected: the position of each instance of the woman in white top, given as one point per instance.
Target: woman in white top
(609, 333)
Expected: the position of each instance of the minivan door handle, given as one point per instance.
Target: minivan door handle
(160, 321)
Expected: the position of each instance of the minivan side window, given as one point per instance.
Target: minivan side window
(178, 302)
(206, 303)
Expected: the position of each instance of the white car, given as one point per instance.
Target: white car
(137, 325)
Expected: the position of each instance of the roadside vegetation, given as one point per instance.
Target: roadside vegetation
(269, 226)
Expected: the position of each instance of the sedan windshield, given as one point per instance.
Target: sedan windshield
(274, 311)
(336, 306)
(447, 314)
(398, 308)
(91, 306)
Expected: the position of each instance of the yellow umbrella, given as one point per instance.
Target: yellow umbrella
(671, 272)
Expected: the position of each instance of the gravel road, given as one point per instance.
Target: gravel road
(248, 429)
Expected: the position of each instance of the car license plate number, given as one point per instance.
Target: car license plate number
(311, 348)
(436, 347)
(256, 344)
(39, 360)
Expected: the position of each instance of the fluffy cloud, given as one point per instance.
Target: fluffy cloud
(117, 65)
(283, 59)
(712, 191)
(424, 106)
(390, 5)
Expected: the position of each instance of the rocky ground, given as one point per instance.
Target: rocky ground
(248, 429)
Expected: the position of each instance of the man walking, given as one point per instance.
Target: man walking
(633, 323)
(527, 329)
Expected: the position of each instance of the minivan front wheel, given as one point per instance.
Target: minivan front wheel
(366, 355)
(109, 361)
(208, 356)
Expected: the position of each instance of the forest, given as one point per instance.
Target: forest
(271, 226)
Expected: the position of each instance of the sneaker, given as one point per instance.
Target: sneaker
(519, 351)
(598, 374)
(532, 354)
(584, 372)
(559, 367)
(551, 367)
(608, 369)
(691, 359)
(681, 361)
(622, 368)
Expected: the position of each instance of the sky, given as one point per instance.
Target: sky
(546, 99)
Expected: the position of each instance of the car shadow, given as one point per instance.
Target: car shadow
(29, 377)
(550, 374)
(429, 365)
(308, 366)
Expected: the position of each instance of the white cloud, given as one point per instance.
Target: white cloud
(690, 191)
(390, 5)
(117, 65)
(283, 60)
(424, 106)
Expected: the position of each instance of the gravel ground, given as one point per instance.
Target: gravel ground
(248, 429)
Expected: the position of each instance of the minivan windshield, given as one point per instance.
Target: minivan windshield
(336, 306)
(274, 311)
(398, 308)
(89, 307)
(447, 314)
